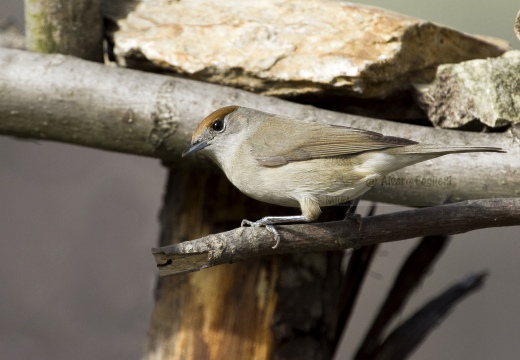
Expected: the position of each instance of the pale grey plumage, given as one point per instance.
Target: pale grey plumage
(283, 161)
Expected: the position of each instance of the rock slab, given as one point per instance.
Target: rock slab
(474, 94)
(290, 48)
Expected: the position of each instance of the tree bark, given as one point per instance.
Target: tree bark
(65, 27)
(130, 111)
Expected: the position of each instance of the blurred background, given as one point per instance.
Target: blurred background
(77, 225)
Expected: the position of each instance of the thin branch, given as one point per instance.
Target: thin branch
(403, 340)
(243, 243)
(357, 269)
(61, 98)
(414, 269)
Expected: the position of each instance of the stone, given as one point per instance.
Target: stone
(474, 94)
(289, 48)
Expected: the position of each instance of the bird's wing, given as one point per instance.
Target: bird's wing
(313, 141)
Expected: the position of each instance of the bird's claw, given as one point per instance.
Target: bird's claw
(276, 234)
(357, 217)
(268, 227)
(248, 223)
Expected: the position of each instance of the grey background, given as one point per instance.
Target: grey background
(76, 227)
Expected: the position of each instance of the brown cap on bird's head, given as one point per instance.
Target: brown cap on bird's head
(211, 118)
(210, 122)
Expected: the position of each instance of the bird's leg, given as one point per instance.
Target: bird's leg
(269, 221)
(310, 212)
(351, 211)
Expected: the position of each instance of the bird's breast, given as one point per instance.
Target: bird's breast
(327, 181)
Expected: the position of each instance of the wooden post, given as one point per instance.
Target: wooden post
(272, 307)
(66, 27)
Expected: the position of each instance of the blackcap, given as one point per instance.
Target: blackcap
(283, 161)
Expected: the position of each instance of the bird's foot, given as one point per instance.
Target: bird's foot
(357, 217)
(268, 227)
(249, 223)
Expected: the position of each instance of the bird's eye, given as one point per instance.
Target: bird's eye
(218, 125)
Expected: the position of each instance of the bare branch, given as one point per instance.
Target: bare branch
(243, 243)
(412, 272)
(61, 98)
(403, 340)
(355, 274)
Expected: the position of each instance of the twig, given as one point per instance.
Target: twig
(243, 243)
(356, 272)
(416, 266)
(402, 341)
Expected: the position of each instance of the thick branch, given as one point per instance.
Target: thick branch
(243, 243)
(56, 97)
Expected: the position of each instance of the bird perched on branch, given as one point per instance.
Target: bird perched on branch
(283, 161)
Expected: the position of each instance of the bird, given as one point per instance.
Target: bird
(283, 161)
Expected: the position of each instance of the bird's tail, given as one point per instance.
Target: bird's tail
(413, 154)
(437, 150)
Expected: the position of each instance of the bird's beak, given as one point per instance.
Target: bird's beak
(196, 146)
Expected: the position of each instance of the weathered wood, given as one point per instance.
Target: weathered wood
(200, 317)
(89, 104)
(243, 243)
(65, 27)
(270, 307)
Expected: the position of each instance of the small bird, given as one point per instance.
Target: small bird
(283, 161)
